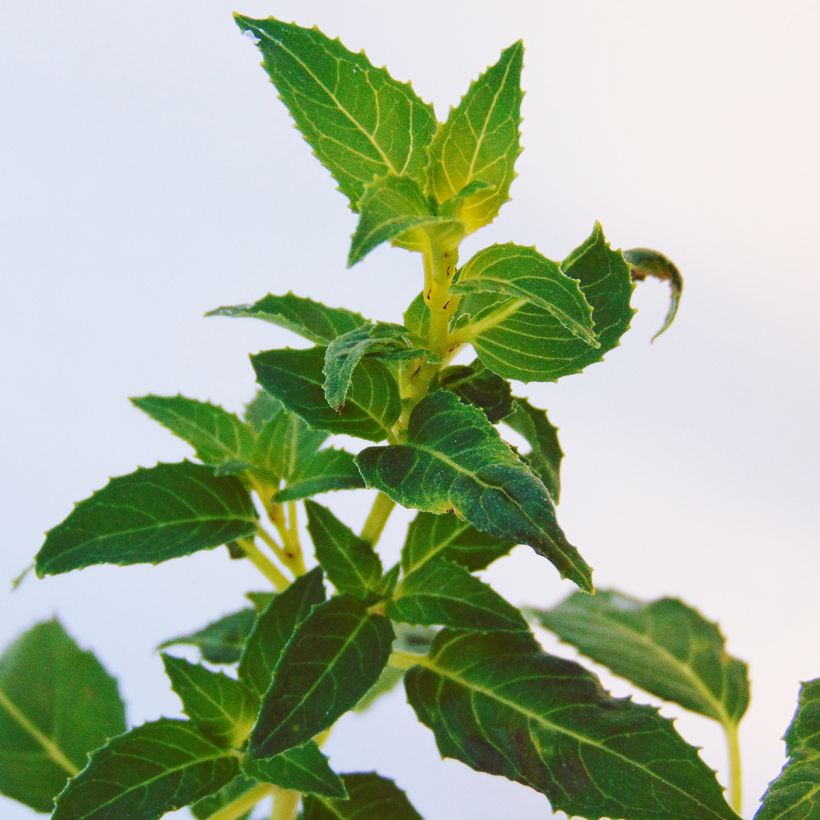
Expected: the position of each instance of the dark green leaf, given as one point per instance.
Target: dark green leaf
(440, 592)
(223, 707)
(393, 208)
(545, 454)
(150, 516)
(303, 769)
(153, 769)
(430, 536)
(480, 142)
(349, 561)
(295, 377)
(333, 658)
(220, 641)
(359, 121)
(328, 470)
(274, 628)
(371, 797)
(665, 647)
(313, 320)
(474, 384)
(501, 705)
(236, 789)
(57, 704)
(216, 435)
(454, 460)
(646, 262)
(795, 794)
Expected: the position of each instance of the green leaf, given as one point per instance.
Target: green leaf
(153, 769)
(501, 705)
(343, 354)
(304, 769)
(333, 658)
(430, 536)
(273, 629)
(480, 142)
(232, 791)
(387, 682)
(222, 707)
(440, 592)
(217, 435)
(220, 641)
(312, 320)
(328, 470)
(394, 209)
(525, 341)
(474, 384)
(646, 262)
(665, 647)
(349, 561)
(57, 704)
(295, 377)
(284, 445)
(261, 409)
(795, 793)
(545, 454)
(150, 516)
(359, 121)
(371, 797)
(455, 460)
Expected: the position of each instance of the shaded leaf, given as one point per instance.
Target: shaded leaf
(326, 471)
(220, 641)
(333, 658)
(284, 445)
(359, 121)
(455, 460)
(156, 768)
(295, 377)
(235, 789)
(350, 562)
(304, 769)
(57, 704)
(664, 646)
(646, 262)
(474, 384)
(501, 705)
(371, 797)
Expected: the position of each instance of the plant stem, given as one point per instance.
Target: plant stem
(263, 564)
(285, 805)
(294, 544)
(735, 772)
(377, 518)
(275, 546)
(243, 803)
(405, 660)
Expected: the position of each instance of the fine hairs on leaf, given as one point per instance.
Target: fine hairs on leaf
(331, 625)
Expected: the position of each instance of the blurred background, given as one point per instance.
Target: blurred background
(148, 173)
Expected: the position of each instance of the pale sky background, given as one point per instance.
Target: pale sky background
(148, 173)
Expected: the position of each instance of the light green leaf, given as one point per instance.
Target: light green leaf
(501, 705)
(646, 262)
(394, 209)
(312, 320)
(304, 769)
(474, 384)
(239, 788)
(150, 516)
(284, 445)
(454, 460)
(220, 641)
(665, 647)
(349, 561)
(273, 629)
(387, 682)
(432, 536)
(217, 435)
(57, 704)
(222, 707)
(343, 354)
(545, 454)
(795, 794)
(359, 121)
(333, 658)
(261, 409)
(508, 280)
(153, 769)
(371, 797)
(328, 470)
(480, 142)
(530, 343)
(295, 377)
(443, 593)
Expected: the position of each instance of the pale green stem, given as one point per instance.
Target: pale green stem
(377, 518)
(285, 805)
(244, 803)
(276, 548)
(294, 543)
(405, 660)
(735, 771)
(263, 564)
